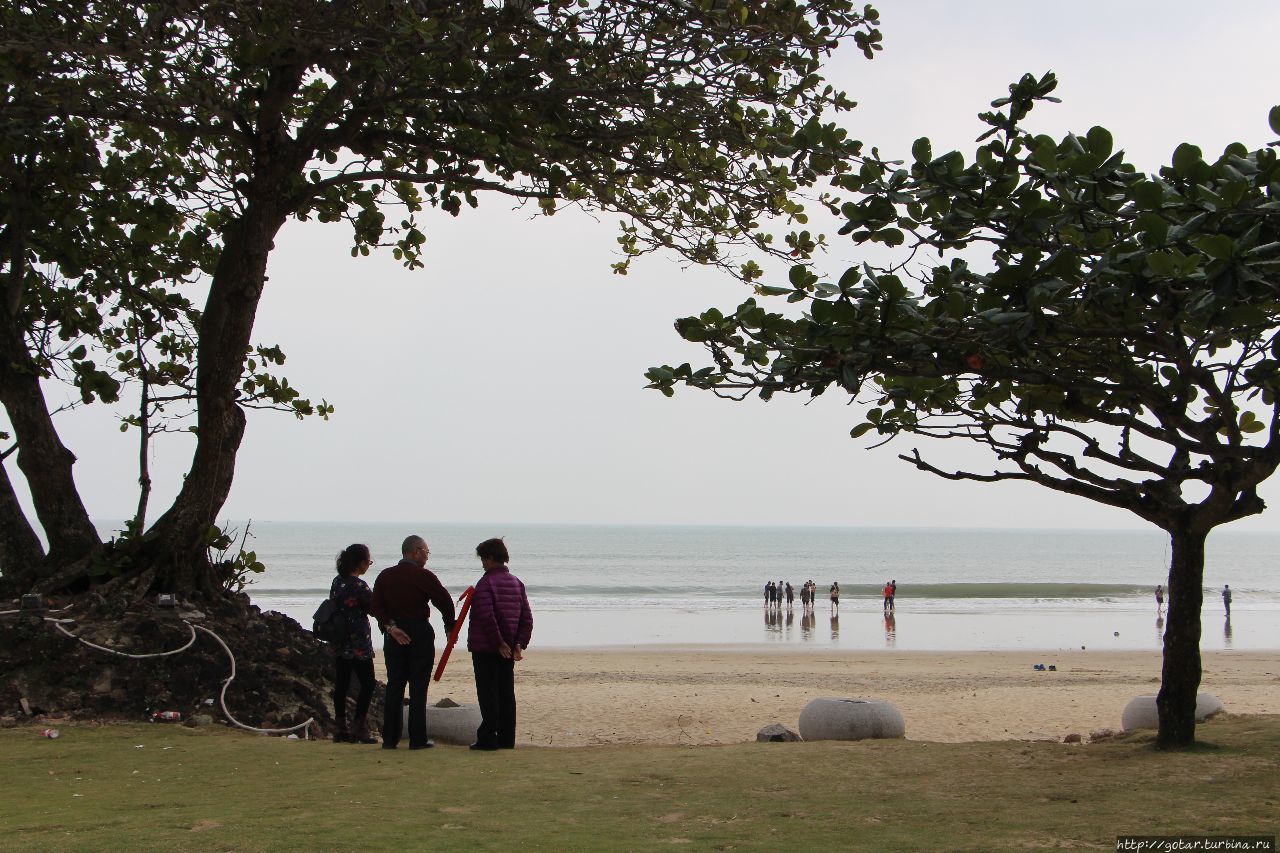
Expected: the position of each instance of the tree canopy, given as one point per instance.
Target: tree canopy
(153, 150)
(1103, 332)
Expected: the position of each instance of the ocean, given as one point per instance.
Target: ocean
(603, 585)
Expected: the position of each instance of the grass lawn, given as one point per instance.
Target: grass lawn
(164, 787)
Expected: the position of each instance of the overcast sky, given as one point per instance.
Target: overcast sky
(504, 383)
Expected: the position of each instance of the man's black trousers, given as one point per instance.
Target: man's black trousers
(408, 666)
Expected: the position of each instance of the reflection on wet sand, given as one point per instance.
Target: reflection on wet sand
(835, 626)
(890, 630)
(1226, 633)
(807, 623)
(772, 622)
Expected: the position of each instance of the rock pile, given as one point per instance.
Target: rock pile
(284, 675)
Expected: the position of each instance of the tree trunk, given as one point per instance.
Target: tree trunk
(20, 550)
(1180, 677)
(178, 536)
(144, 445)
(43, 459)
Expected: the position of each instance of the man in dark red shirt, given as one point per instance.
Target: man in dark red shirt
(402, 599)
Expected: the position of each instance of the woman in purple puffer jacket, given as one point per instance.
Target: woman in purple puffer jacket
(497, 635)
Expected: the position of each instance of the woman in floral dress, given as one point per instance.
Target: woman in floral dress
(353, 655)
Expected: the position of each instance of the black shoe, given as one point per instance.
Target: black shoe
(341, 737)
(367, 739)
(426, 745)
(484, 747)
(388, 746)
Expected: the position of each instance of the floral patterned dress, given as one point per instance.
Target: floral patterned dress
(353, 596)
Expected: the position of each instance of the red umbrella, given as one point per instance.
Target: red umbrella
(465, 598)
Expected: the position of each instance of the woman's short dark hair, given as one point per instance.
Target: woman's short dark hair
(351, 558)
(494, 549)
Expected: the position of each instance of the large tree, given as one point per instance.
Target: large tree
(195, 131)
(1102, 332)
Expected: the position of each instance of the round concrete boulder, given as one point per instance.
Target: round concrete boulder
(850, 719)
(456, 724)
(1141, 712)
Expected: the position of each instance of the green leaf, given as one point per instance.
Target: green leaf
(1162, 263)
(1185, 157)
(1217, 246)
(1148, 195)
(1100, 142)
(1153, 227)
(922, 150)
(1046, 155)
(1274, 120)
(891, 236)
(860, 430)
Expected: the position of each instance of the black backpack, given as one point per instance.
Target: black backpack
(329, 623)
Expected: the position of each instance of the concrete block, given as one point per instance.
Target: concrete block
(1141, 713)
(850, 719)
(456, 725)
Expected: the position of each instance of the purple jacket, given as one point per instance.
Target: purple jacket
(499, 613)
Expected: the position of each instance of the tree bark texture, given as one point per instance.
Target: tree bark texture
(21, 553)
(225, 330)
(1180, 676)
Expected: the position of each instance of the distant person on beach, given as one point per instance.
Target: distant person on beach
(1226, 598)
(893, 593)
(402, 599)
(888, 596)
(1159, 597)
(804, 596)
(498, 632)
(791, 595)
(768, 593)
(354, 654)
(835, 595)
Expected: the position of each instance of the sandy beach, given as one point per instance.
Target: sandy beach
(716, 695)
